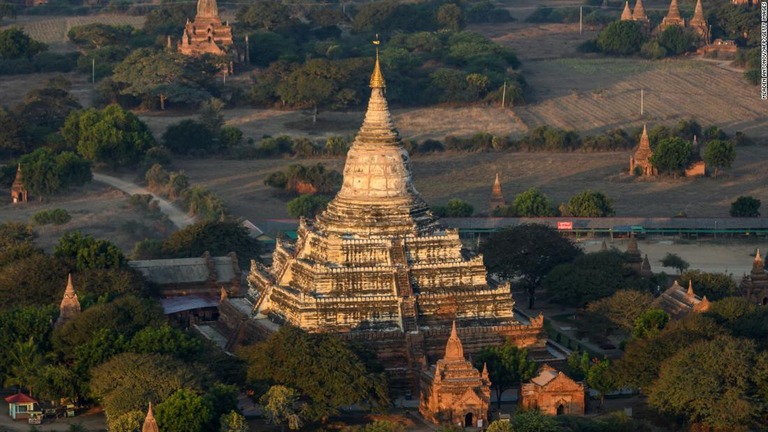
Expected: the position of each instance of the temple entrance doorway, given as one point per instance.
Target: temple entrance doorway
(765, 301)
(468, 420)
(560, 409)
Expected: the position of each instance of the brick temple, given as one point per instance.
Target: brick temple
(207, 34)
(377, 266)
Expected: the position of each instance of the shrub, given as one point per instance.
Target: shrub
(621, 37)
(745, 206)
(53, 216)
(652, 50)
(307, 205)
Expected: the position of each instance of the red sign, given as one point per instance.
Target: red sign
(565, 225)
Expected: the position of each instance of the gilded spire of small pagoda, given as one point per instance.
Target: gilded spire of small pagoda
(698, 13)
(639, 13)
(757, 264)
(690, 292)
(70, 305)
(626, 15)
(150, 424)
(454, 350)
(674, 10)
(377, 79)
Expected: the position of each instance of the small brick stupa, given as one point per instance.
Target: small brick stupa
(70, 306)
(18, 190)
(640, 161)
(150, 424)
(497, 196)
(673, 17)
(453, 391)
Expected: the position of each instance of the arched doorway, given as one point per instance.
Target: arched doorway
(468, 420)
(560, 409)
(765, 301)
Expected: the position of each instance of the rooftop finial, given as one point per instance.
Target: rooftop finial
(690, 288)
(150, 424)
(454, 351)
(377, 79)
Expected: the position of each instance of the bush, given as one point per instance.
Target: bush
(676, 40)
(430, 146)
(307, 205)
(745, 206)
(652, 50)
(621, 38)
(53, 216)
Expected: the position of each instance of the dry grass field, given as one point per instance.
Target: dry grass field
(469, 176)
(95, 209)
(52, 30)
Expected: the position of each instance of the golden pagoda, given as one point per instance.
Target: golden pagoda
(378, 266)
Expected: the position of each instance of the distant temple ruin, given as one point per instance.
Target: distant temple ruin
(207, 34)
(497, 196)
(19, 192)
(377, 266)
(70, 306)
(754, 286)
(679, 302)
(640, 162)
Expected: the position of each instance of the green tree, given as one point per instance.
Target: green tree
(676, 39)
(383, 426)
(599, 378)
(216, 237)
(165, 76)
(98, 35)
(672, 155)
(533, 203)
(127, 381)
(719, 155)
(315, 84)
(127, 422)
(321, 367)
(124, 316)
(233, 422)
(307, 205)
(25, 360)
(649, 323)
(508, 366)
(168, 18)
(89, 253)
(46, 173)
(14, 234)
(529, 251)
(621, 37)
(15, 44)
(500, 426)
(674, 261)
(279, 405)
(454, 208)
(266, 15)
(588, 278)
(165, 340)
(12, 135)
(188, 136)
(590, 204)
(450, 17)
(111, 136)
(7, 9)
(184, 411)
(534, 421)
(45, 109)
(622, 308)
(745, 206)
(720, 394)
(715, 286)
(34, 279)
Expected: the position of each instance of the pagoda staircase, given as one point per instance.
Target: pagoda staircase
(408, 307)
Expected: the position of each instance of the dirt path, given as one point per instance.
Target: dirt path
(177, 216)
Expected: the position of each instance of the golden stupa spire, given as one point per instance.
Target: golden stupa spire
(377, 79)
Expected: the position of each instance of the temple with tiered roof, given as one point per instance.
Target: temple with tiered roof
(640, 162)
(378, 266)
(207, 34)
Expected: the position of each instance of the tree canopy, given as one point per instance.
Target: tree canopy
(47, 173)
(111, 136)
(14, 44)
(528, 251)
(508, 366)
(745, 206)
(590, 204)
(719, 155)
(321, 367)
(533, 203)
(216, 237)
(672, 155)
(621, 37)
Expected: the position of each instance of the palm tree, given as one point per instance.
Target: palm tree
(25, 362)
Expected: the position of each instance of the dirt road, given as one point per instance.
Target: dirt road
(175, 215)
